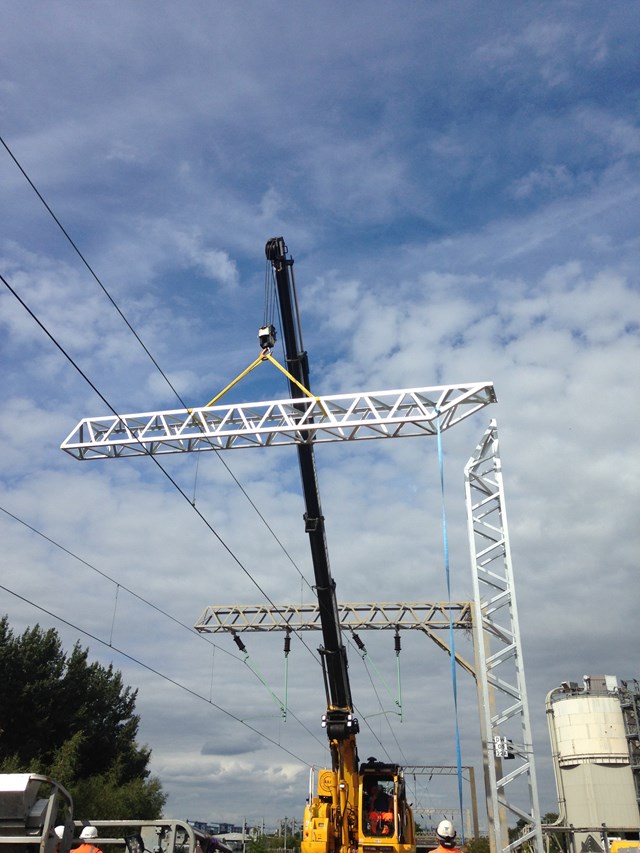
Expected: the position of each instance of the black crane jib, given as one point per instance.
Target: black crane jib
(334, 656)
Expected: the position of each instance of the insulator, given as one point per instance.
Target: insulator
(396, 642)
(237, 640)
(287, 643)
(358, 641)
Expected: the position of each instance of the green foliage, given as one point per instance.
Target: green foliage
(267, 843)
(74, 721)
(258, 845)
(558, 842)
(477, 845)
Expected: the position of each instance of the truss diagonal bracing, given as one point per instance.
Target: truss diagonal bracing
(340, 417)
(504, 716)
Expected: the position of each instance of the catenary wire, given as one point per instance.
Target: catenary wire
(154, 671)
(89, 267)
(270, 303)
(170, 478)
(140, 598)
(114, 581)
(143, 345)
(173, 482)
(163, 613)
(161, 468)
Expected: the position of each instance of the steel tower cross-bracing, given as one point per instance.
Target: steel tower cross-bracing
(504, 714)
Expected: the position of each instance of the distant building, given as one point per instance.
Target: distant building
(216, 828)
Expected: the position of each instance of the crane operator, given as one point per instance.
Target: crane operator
(380, 811)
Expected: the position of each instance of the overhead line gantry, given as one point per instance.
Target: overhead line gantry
(316, 419)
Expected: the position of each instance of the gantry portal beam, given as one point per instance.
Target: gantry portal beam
(306, 617)
(429, 617)
(340, 417)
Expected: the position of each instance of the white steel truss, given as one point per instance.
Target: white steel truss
(504, 714)
(340, 417)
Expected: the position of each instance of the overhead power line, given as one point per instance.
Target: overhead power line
(161, 468)
(116, 583)
(90, 268)
(157, 672)
(97, 279)
(173, 482)
(139, 597)
(178, 396)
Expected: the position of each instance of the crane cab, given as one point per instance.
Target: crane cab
(386, 820)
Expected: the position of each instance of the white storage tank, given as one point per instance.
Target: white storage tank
(591, 760)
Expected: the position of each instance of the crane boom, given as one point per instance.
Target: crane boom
(334, 654)
(351, 811)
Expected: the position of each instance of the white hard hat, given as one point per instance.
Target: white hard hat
(445, 832)
(59, 831)
(89, 832)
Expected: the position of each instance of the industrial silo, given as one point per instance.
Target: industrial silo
(594, 748)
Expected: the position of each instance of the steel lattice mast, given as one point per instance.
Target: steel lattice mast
(502, 698)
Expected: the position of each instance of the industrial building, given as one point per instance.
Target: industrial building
(595, 744)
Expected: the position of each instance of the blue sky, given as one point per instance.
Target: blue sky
(458, 186)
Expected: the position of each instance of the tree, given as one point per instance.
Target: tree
(477, 845)
(75, 721)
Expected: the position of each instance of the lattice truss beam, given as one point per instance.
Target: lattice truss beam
(341, 417)
(432, 618)
(504, 716)
(306, 617)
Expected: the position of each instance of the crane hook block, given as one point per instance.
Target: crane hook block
(267, 337)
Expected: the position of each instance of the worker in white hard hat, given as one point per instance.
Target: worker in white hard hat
(86, 837)
(59, 833)
(446, 835)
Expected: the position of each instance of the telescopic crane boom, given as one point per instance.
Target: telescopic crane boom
(342, 817)
(333, 653)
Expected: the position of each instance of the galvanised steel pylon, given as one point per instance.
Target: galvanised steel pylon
(510, 779)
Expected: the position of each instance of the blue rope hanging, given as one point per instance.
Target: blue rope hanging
(454, 681)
